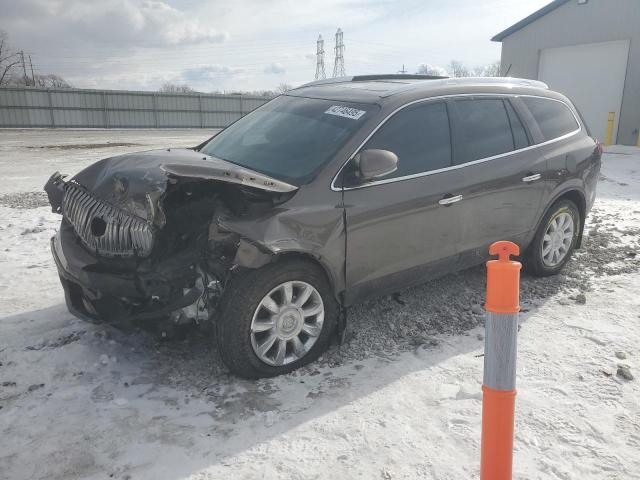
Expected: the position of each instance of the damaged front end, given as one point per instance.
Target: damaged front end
(142, 235)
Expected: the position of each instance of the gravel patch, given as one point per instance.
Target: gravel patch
(24, 200)
(85, 146)
(449, 305)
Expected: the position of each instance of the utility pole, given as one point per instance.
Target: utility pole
(338, 66)
(33, 77)
(24, 69)
(320, 59)
(403, 71)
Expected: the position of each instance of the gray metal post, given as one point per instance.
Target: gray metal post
(105, 113)
(53, 119)
(155, 110)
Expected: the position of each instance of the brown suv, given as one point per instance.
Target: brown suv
(338, 191)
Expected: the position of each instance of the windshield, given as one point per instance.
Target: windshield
(289, 138)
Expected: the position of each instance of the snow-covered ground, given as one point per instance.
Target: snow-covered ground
(400, 400)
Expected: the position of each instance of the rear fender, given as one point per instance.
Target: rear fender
(573, 191)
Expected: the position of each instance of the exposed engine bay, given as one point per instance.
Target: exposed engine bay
(147, 235)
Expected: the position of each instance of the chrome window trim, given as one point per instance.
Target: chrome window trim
(462, 165)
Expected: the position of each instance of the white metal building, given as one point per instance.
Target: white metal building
(590, 51)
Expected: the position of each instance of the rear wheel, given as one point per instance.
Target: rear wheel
(555, 239)
(276, 319)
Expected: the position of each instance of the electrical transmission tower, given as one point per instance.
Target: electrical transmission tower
(320, 59)
(338, 66)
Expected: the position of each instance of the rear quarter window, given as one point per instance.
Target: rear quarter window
(553, 117)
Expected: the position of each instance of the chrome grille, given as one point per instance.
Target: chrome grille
(124, 235)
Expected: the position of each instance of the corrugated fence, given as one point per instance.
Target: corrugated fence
(24, 107)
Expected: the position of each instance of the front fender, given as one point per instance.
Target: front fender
(317, 233)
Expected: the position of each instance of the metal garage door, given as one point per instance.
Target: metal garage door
(592, 76)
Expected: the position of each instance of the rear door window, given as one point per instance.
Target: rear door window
(419, 135)
(484, 127)
(553, 117)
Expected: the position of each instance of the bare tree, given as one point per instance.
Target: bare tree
(8, 59)
(51, 81)
(176, 88)
(428, 69)
(458, 69)
(283, 88)
(491, 70)
(253, 93)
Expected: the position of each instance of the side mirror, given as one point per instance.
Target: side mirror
(374, 163)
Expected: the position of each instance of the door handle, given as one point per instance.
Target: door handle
(450, 200)
(532, 178)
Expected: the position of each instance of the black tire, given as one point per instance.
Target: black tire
(534, 261)
(242, 296)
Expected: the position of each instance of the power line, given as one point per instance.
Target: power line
(234, 44)
(320, 74)
(178, 52)
(140, 56)
(338, 66)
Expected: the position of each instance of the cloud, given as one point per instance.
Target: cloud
(141, 44)
(274, 68)
(113, 22)
(209, 73)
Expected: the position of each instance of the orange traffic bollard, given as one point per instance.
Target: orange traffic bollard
(499, 382)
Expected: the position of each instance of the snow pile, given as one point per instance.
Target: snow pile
(400, 400)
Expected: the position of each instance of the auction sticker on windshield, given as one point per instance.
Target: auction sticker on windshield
(347, 112)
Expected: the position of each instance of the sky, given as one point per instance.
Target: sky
(227, 45)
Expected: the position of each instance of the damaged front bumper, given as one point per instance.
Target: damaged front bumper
(140, 237)
(120, 295)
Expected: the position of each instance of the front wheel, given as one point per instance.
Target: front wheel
(276, 319)
(555, 239)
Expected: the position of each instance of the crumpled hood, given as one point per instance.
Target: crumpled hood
(135, 182)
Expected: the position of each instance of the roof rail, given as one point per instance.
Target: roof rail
(395, 76)
(470, 81)
(498, 80)
(367, 78)
(489, 81)
(437, 81)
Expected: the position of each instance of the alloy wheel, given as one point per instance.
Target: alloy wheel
(287, 323)
(557, 239)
